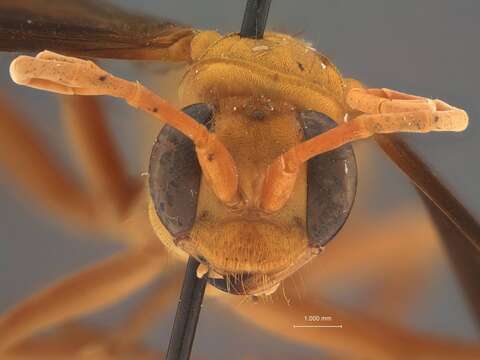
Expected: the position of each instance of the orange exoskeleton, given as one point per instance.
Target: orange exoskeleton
(251, 179)
(251, 219)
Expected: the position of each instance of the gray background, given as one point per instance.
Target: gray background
(428, 48)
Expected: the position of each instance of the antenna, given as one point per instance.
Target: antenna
(255, 18)
(191, 296)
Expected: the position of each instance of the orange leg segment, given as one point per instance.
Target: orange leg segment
(30, 166)
(384, 111)
(82, 293)
(97, 154)
(71, 76)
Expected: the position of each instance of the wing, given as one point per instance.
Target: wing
(91, 28)
(459, 230)
(428, 182)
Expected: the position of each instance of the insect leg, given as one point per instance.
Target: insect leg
(149, 310)
(72, 76)
(82, 293)
(359, 333)
(76, 341)
(97, 155)
(31, 167)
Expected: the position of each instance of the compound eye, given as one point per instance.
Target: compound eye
(331, 182)
(174, 174)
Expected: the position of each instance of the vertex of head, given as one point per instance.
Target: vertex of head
(255, 18)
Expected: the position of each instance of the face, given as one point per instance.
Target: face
(250, 249)
(243, 241)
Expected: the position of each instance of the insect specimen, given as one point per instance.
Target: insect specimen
(254, 217)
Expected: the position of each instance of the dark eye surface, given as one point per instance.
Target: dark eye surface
(331, 184)
(174, 174)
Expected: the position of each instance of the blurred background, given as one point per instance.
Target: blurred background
(428, 48)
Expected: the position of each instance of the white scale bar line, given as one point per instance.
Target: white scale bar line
(318, 326)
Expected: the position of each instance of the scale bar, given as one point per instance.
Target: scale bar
(318, 326)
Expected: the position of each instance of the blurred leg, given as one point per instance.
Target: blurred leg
(147, 312)
(94, 147)
(79, 342)
(27, 162)
(359, 337)
(82, 293)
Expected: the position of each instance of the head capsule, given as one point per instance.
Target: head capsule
(175, 178)
(278, 66)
